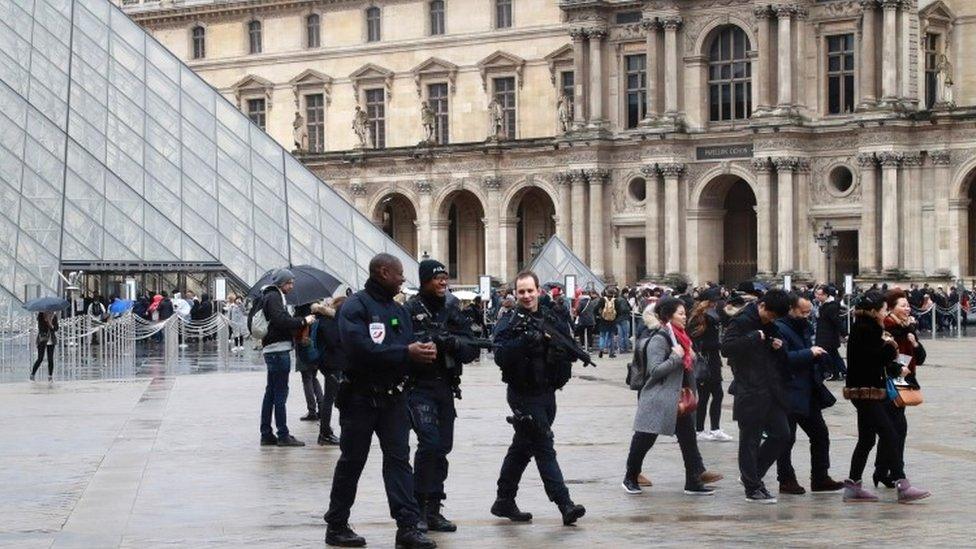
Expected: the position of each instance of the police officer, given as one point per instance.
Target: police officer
(533, 369)
(380, 347)
(431, 391)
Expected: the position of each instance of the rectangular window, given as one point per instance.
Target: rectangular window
(199, 43)
(436, 17)
(840, 74)
(567, 84)
(636, 79)
(373, 24)
(313, 31)
(254, 36)
(504, 89)
(931, 69)
(625, 17)
(376, 116)
(315, 122)
(437, 100)
(256, 112)
(503, 14)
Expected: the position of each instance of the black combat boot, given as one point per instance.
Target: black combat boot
(435, 520)
(341, 535)
(571, 512)
(422, 512)
(506, 508)
(412, 538)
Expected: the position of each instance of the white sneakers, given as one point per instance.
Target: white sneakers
(717, 435)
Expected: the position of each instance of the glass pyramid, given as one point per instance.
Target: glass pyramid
(112, 150)
(556, 260)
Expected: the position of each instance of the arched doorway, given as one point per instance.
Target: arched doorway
(533, 210)
(397, 217)
(727, 231)
(464, 236)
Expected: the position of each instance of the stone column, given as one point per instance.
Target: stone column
(866, 82)
(911, 240)
(652, 249)
(764, 223)
(672, 203)
(802, 235)
(494, 251)
(889, 209)
(579, 213)
(784, 61)
(424, 218)
(959, 221)
(761, 76)
(596, 37)
(439, 239)
(945, 255)
(868, 232)
(672, 61)
(564, 215)
(579, 77)
(889, 53)
(507, 255)
(650, 26)
(785, 222)
(359, 198)
(596, 179)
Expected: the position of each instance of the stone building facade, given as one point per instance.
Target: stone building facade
(713, 138)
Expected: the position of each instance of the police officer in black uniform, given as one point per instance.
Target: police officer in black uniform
(533, 369)
(377, 335)
(431, 391)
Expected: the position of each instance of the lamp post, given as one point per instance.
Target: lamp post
(827, 240)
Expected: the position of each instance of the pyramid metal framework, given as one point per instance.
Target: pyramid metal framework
(113, 150)
(556, 260)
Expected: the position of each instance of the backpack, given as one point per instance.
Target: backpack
(609, 311)
(637, 367)
(97, 310)
(257, 322)
(307, 349)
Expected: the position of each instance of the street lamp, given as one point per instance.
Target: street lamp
(425, 255)
(827, 240)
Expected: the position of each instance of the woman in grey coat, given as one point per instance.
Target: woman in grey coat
(669, 361)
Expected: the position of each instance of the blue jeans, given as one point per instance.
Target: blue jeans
(276, 393)
(607, 332)
(533, 441)
(432, 414)
(623, 330)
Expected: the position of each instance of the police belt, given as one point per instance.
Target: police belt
(372, 389)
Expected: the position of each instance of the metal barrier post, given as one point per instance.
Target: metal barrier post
(959, 320)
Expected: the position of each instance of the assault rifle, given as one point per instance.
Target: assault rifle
(546, 325)
(438, 334)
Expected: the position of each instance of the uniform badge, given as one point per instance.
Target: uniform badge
(377, 332)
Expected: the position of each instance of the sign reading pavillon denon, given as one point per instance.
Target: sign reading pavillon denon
(722, 152)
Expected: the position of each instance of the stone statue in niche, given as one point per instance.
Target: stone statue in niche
(360, 125)
(564, 107)
(427, 120)
(300, 132)
(496, 118)
(944, 79)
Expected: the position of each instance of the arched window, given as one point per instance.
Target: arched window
(254, 36)
(373, 24)
(313, 31)
(199, 38)
(729, 76)
(436, 17)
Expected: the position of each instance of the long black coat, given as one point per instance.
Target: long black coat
(757, 384)
(831, 325)
(805, 382)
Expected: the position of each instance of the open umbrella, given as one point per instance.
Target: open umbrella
(46, 304)
(465, 295)
(311, 284)
(120, 306)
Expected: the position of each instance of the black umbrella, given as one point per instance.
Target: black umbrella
(311, 284)
(46, 304)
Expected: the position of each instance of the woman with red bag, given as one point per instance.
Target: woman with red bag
(666, 404)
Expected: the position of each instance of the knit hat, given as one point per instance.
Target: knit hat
(280, 277)
(429, 268)
(713, 293)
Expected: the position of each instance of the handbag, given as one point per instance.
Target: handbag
(907, 396)
(687, 401)
(890, 390)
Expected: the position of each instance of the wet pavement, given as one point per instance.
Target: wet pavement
(158, 459)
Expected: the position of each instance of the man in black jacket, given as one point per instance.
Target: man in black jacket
(332, 362)
(432, 388)
(533, 369)
(276, 348)
(377, 335)
(831, 329)
(752, 345)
